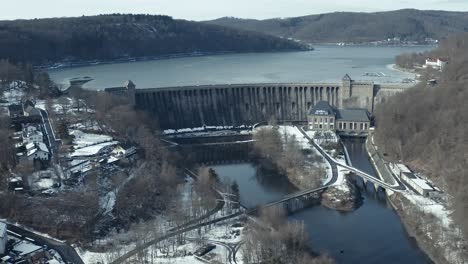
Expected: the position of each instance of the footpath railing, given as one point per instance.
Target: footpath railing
(379, 163)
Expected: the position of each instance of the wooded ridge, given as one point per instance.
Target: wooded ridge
(406, 24)
(116, 36)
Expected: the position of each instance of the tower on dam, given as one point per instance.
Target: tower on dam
(244, 104)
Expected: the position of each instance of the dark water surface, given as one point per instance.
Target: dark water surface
(371, 234)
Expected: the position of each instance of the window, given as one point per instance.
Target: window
(344, 125)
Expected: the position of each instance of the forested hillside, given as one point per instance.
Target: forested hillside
(110, 37)
(408, 24)
(427, 126)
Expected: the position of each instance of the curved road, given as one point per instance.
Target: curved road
(68, 253)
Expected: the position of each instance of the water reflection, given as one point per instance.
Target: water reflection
(371, 234)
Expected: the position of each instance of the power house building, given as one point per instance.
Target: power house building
(352, 122)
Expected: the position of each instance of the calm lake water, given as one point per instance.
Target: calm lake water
(326, 63)
(371, 234)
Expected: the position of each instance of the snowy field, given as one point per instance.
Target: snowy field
(86, 144)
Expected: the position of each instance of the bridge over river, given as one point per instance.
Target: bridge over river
(291, 202)
(301, 198)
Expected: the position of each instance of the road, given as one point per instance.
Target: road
(394, 187)
(53, 143)
(125, 257)
(67, 252)
(231, 248)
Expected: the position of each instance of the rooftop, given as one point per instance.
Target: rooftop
(357, 115)
(322, 108)
(31, 149)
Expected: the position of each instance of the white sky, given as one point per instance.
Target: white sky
(211, 9)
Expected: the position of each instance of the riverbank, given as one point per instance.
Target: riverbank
(342, 195)
(427, 221)
(432, 235)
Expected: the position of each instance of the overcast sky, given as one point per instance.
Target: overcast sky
(210, 9)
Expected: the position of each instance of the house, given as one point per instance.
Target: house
(323, 117)
(28, 105)
(409, 178)
(3, 238)
(37, 151)
(436, 63)
(32, 135)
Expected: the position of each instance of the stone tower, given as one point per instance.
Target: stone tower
(130, 86)
(345, 90)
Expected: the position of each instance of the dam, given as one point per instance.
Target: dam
(248, 104)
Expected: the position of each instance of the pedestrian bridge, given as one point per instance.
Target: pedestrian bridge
(377, 182)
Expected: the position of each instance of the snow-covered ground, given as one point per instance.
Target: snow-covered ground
(13, 96)
(86, 139)
(333, 138)
(219, 235)
(92, 150)
(430, 206)
(205, 129)
(86, 144)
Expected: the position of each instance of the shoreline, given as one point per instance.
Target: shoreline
(398, 202)
(77, 64)
(67, 65)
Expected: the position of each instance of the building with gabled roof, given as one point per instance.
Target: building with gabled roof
(323, 117)
(37, 151)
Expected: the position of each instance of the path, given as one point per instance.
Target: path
(67, 252)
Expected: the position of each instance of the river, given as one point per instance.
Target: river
(371, 234)
(324, 64)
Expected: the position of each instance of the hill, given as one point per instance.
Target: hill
(426, 126)
(407, 24)
(108, 37)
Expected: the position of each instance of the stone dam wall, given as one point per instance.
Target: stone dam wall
(248, 104)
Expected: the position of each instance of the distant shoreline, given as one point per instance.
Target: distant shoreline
(65, 65)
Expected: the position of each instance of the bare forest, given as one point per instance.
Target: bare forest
(279, 241)
(427, 126)
(283, 154)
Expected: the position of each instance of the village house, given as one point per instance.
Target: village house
(29, 109)
(37, 151)
(31, 134)
(436, 63)
(409, 178)
(323, 117)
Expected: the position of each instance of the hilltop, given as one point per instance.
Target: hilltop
(116, 36)
(406, 24)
